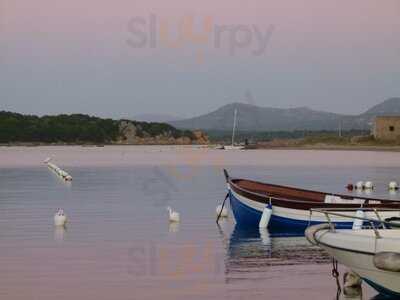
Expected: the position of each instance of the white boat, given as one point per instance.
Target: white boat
(374, 254)
(233, 146)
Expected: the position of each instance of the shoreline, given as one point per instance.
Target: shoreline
(320, 147)
(192, 157)
(332, 148)
(33, 145)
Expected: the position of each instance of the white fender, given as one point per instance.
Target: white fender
(387, 261)
(357, 223)
(266, 216)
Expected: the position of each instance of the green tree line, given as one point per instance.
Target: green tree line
(74, 128)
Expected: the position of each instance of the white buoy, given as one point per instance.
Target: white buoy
(360, 185)
(266, 216)
(60, 172)
(173, 215)
(358, 223)
(60, 218)
(369, 185)
(222, 211)
(393, 186)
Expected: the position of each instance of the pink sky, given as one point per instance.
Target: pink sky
(332, 42)
(307, 16)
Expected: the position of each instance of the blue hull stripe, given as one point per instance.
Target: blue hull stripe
(250, 217)
(382, 290)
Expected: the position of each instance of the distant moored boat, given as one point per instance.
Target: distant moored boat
(233, 146)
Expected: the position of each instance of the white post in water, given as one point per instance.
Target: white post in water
(358, 223)
(266, 216)
(234, 127)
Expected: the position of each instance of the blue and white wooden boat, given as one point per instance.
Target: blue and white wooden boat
(291, 206)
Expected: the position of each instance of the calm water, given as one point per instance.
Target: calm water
(119, 245)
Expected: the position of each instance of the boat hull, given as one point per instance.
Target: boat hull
(294, 209)
(248, 212)
(359, 258)
(233, 147)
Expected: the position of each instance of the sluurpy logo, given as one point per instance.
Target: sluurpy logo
(153, 260)
(155, 31)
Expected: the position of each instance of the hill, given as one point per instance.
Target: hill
(255, 118)
(84, 129)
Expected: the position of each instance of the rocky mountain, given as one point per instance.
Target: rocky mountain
(388, 107)
(255, 118)
(143, 133)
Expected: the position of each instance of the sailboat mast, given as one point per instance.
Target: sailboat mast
(234, 127)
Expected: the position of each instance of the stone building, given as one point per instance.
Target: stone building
(387, 128)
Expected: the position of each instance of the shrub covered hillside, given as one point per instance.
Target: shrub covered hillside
(75, 128)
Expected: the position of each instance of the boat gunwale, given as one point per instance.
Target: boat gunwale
(384, 202)
(328, 245)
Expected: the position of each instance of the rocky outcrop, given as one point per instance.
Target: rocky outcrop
(201, 137)
(134, 133)
(127, 132)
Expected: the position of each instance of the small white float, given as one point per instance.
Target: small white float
(360, 185)
(173, 215)
(60, 172)
(369, 185)
(393, 186)
(60, 218)
(266, 216)
(358, 222)
(221, 211)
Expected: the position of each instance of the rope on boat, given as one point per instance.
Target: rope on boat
(335, 274)
(222, 207)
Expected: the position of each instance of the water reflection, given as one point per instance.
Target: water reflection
(59, 232)
(255, 251)
(351, 293)
(173, 227)
(264, 236)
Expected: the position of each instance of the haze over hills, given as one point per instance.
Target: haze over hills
(159, 118)
(255, 118)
